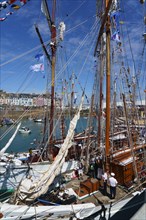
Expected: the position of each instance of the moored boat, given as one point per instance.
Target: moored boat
(39, 120)
(24, 130)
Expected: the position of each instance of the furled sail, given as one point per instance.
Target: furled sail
(3, 150)
(30, 190)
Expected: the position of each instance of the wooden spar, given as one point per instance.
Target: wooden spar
(52, 60)
(108, 67)
(101, 94)
(43, 45)
(53, 49)
(114, 105)
(145, 127)
(62, 116)
(47, 13)
(88, 139)
(72, 95)
(130, 142)
(104, 20)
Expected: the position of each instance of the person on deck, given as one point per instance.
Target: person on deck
(105, 178)
(113, 183)
(30, 153)
(100, 169)
(92, 168)
(96, 167)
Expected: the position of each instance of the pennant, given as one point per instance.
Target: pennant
(75, 99)
(9, 13)
(2, 19)
(115, 20)
(23, 2)
(39, 57)
(11, 1)
(3, 5)
(12, 6)
(116, 37)
(37, 67)
(16, 7)
(86, 98)
(121, 22)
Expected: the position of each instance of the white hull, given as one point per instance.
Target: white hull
(39, 120)
(24, 132)
(12, 174)
(81, 211)
(78, 211)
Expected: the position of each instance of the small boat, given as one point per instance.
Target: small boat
(39, 120)
(7, 121)
(24, 130)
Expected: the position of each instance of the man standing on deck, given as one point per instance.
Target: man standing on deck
(104, 178)
(113, 183)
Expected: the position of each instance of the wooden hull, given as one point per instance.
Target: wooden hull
(122, 165)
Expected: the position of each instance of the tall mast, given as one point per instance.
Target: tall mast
(51, 59)
(72, 93)
(53, 50)
(108, 67)
(100, 91)
(106, 21)
(89, 144)
(62, 116)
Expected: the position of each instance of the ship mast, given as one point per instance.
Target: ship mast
(108, 67)
(100, 91)
(106, 22)
(72, 94)
(62, 116)
(51, 58)
(53, 49)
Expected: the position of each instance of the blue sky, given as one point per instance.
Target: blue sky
(19, 43)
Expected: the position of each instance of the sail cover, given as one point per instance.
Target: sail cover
(3, 150)
(33, 189)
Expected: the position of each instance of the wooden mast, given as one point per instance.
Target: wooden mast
(53, 50)
(131, 145)
(88, 144)
(72, 94)
(106, 21)
(62, 116)
(51, 59)
(100, 93)
(45, 10)
(108, 67)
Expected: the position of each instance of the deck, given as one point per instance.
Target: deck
(85, 194)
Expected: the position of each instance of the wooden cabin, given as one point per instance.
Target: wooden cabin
(122, 164)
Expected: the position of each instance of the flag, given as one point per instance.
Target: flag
(23, 2)
(16, 7)
(3, 5)
(11, 1)
(116, 37)
(75, 99)
(2, 19)
(40, 57)
(11, 7)
(37, 67)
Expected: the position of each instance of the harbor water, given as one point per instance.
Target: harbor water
(22, 142)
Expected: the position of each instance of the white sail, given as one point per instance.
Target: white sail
(3, 150)
(30, 190)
